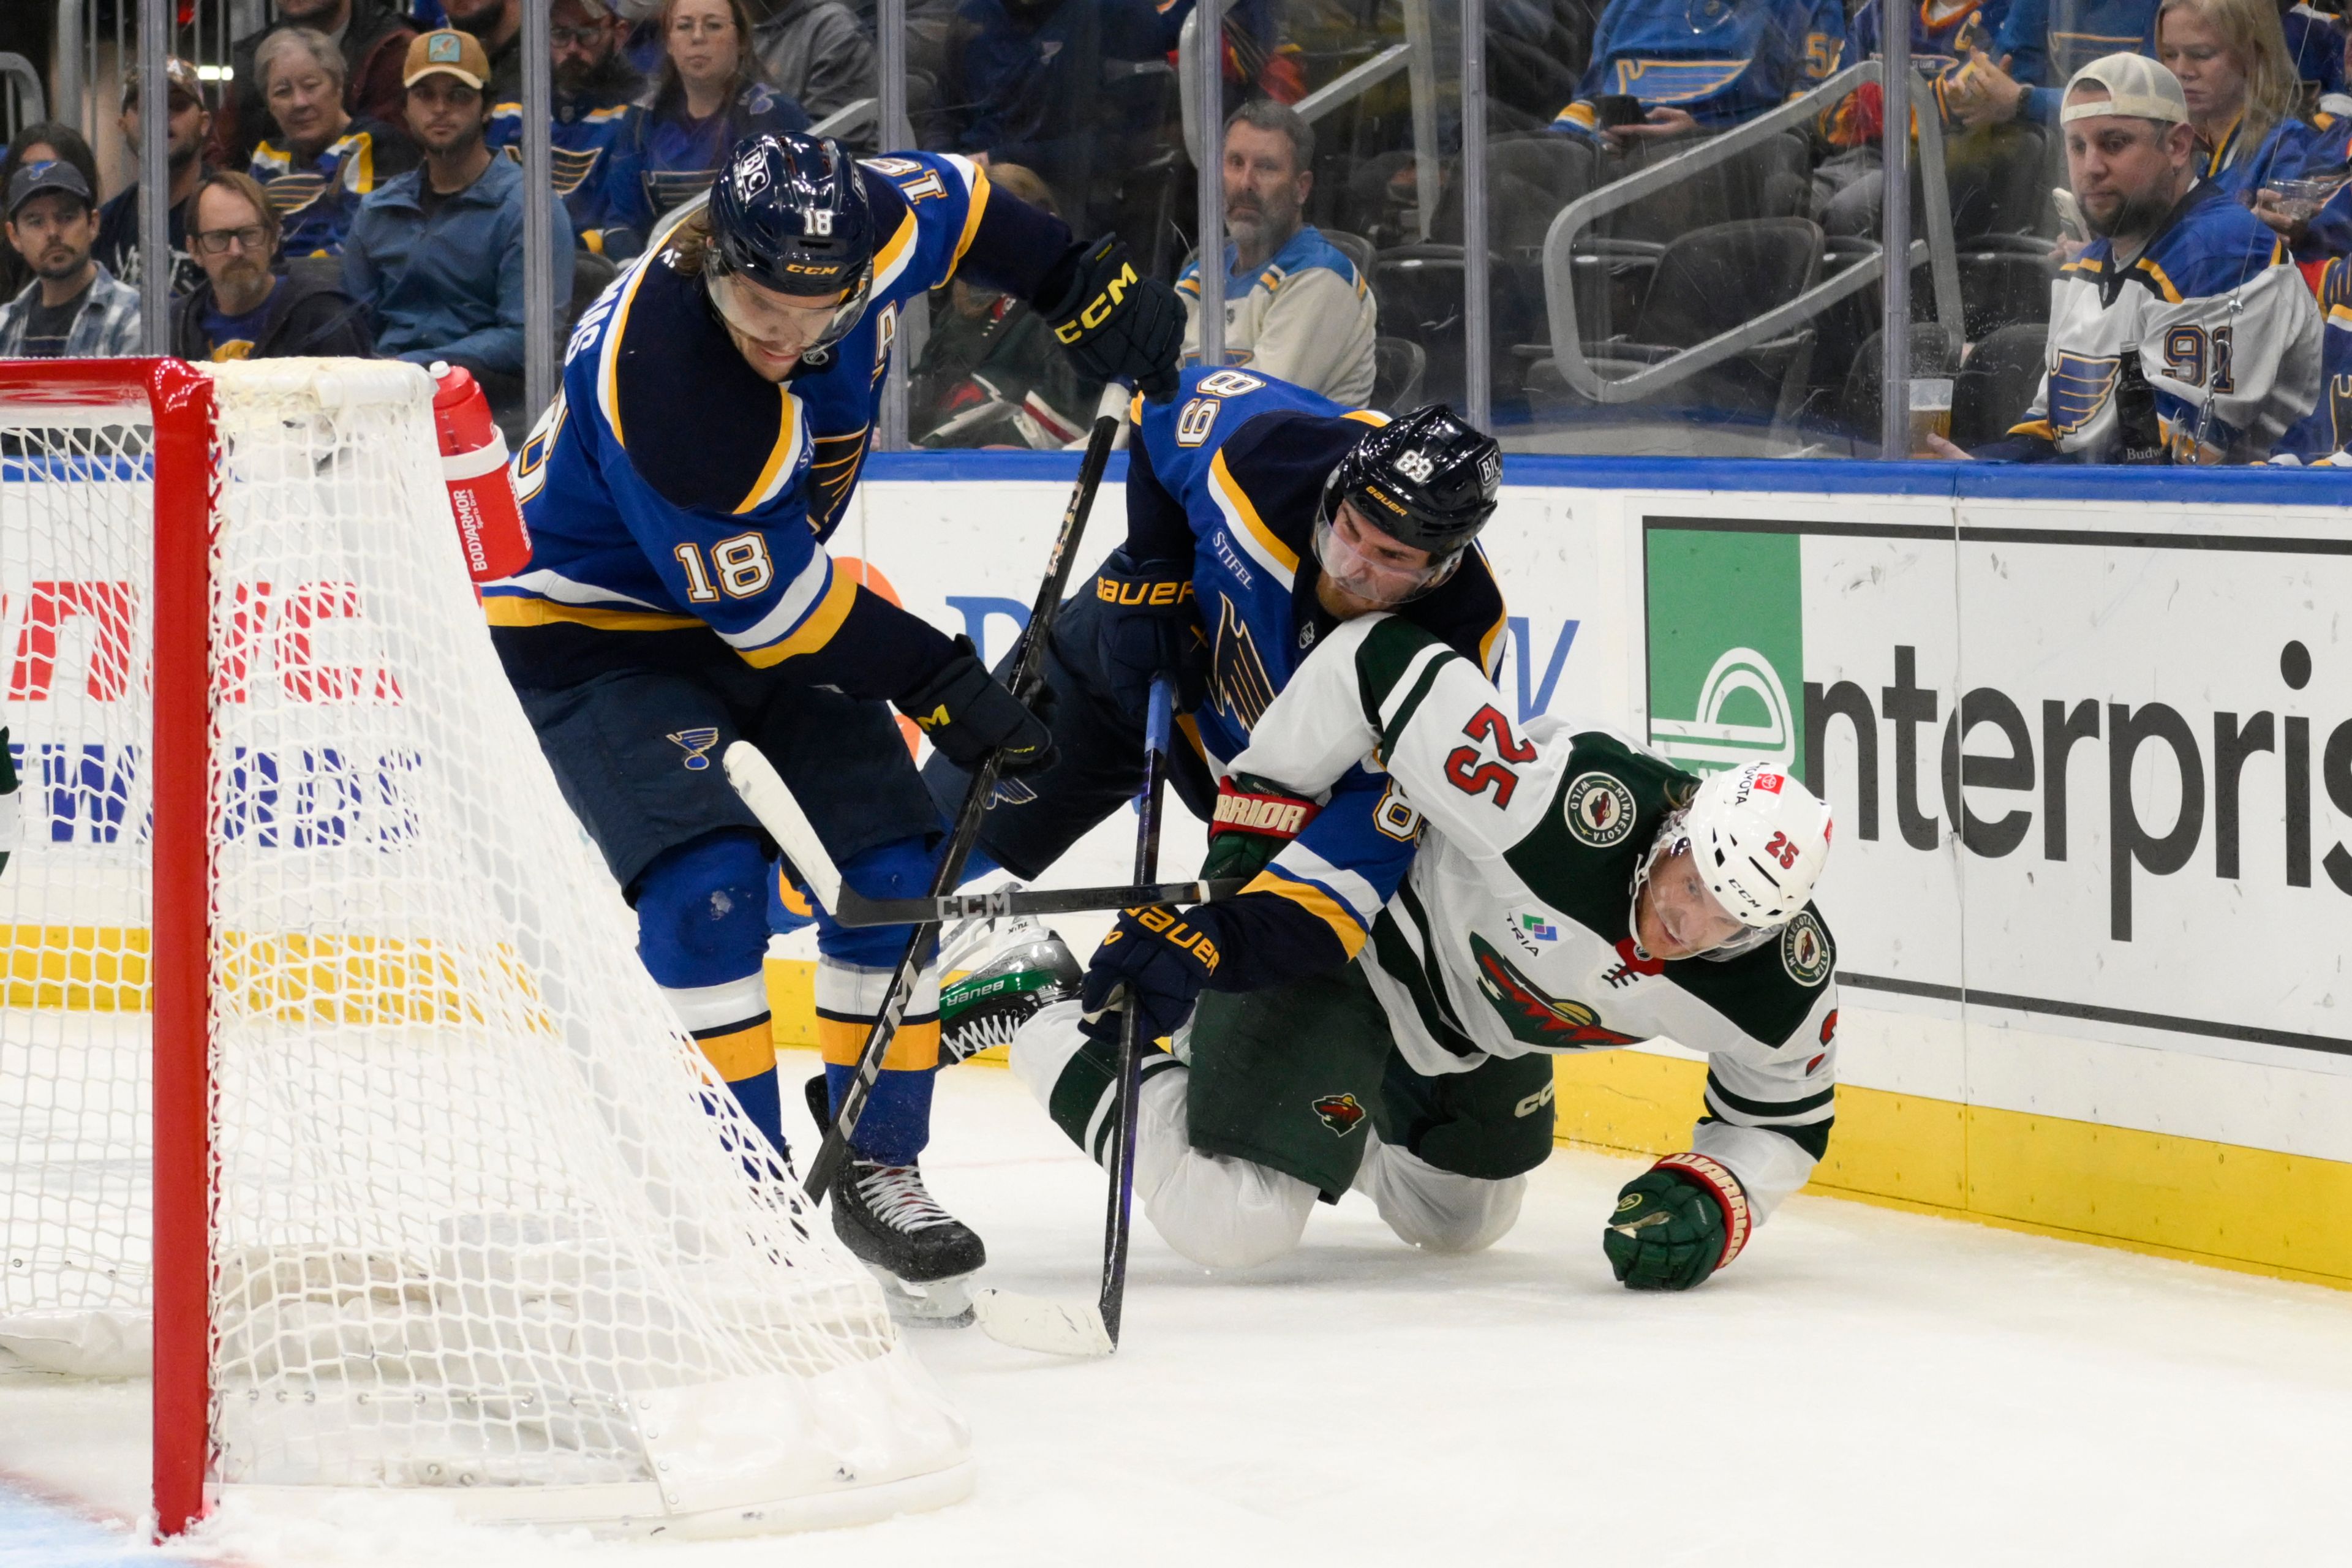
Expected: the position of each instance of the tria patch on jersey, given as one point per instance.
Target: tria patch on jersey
(1339, 1112)
(1805, 951)
(1598, 809)
(1534, 1016)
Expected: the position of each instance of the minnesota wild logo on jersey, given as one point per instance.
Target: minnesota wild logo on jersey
(1550, 1022)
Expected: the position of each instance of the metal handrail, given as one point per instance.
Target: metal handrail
(18, 72)
(849, 117)
(68, 56)
(1559, 244)
(1352, 83)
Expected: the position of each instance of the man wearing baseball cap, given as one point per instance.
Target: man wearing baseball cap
(2182, 332)
(117, 220)
(436, 254)
(73, 307)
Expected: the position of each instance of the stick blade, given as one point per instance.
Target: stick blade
(1042, 1323)
(771, 799)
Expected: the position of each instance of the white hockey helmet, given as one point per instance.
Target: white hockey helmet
(1760, 839)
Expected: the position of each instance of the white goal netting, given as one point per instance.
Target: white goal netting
(480, 1221)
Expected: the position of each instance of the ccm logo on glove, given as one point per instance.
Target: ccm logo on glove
(1097, 309)
(1169, 927)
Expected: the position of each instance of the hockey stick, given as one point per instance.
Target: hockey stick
(1064, 1328)
(772, 802)
(834, 1152)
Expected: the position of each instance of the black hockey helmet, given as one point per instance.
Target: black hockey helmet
(788, 212)
(1426, 478)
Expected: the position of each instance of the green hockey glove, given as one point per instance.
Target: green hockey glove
(1676, 1223)
(1253, 821)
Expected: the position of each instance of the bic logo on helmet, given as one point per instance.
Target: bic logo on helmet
(752, 174)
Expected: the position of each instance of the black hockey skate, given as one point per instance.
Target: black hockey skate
(886, 1216)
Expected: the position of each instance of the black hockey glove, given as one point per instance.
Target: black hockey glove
(1116, 325)
(968, 714)
(1149, 627)
(1676, 1224)
(1155, 959)
(1253, 821)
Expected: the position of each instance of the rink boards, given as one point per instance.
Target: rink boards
(2089, 739)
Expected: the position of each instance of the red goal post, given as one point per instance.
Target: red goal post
(437, 1191)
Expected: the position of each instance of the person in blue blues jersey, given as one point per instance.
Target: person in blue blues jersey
(708, 97)
(2324, 435)
(1848, 184)
(711, 423)
(1702, 64)
(1260, 517)
(594, 106)
(2038, 47)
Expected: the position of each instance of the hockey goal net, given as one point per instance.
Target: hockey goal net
(327, 1068)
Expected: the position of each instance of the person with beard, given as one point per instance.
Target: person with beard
(1295, 306)
(594, 102)
(710, 96)
(436, 255)
(45, 142)
(2183, 332)
(73, 309)
(239, 308)
(372, 36)
(497, 25)
(321, 162)
(117, 220)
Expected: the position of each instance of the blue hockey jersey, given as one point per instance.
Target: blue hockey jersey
(1720, 61)
(2328, 429)
(1229, 476)
(581, 135)
(670, 488)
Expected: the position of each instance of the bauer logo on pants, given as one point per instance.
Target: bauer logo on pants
(1340, 1114)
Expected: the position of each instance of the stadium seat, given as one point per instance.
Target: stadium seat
(1858, 407)
(1398, 366)
(2004, 282)
(1419, 290)
(1354, 247)
(1993, 388)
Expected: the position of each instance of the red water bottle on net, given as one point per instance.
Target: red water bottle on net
(474, 463)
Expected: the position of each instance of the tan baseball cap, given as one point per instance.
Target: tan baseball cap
(180, 82)
(2136, 85)
(448, 52)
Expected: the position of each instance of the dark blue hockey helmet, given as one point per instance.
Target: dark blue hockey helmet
(789, 213)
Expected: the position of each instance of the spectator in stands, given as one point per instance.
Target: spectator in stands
(710, 97)
(117, 220)
(241, 309)
(1036, 82)
(2242, 91)
(2325, 436)
(817, 56)
(497, 25)
(1850, 184)
(73, 309)
(2315, 43)
(44, 142)
(370, 38)
(2039, 44)
(991, 372)
(2182, 332)
(1662, 70)
(320, 163)
(436, 255)
(1295, 306)
(594, 94)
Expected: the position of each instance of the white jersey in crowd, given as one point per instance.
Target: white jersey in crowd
(1513, 931)
(2225, 329)
(1307, 318)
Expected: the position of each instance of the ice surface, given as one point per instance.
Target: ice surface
(1863, 1388)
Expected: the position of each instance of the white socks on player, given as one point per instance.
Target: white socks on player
(1437, 1209)
(1219, 1212)
(1225, 1213)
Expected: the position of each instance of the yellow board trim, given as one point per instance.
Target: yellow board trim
(1221, 476)
(840, 597)
(1314, 901)
(2253, 1210)
(511, 610)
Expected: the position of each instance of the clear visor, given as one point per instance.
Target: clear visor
(1683, 902)
(1352, 555)
(784, 324)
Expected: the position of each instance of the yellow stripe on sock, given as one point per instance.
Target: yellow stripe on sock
(914, 1048)
(745, 1053)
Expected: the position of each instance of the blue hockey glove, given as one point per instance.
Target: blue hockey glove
(1155, 959)
(1149, 627)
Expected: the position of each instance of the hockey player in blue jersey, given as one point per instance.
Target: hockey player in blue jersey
(1260, 517)
(712, 417)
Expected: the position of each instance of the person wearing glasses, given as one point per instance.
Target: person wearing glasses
(245, 309)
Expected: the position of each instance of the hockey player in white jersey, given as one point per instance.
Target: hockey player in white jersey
(2183, 332)
(1572, 892)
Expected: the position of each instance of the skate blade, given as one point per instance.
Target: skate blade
(930, 1304)
(1043, 1323)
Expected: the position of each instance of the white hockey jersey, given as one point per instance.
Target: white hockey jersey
(2225, 329)
(1513, 932)
(1308, 317)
